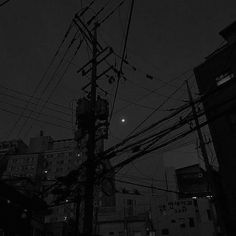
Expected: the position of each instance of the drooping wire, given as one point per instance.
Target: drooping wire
(5, 2)
(38, 120)
(50, 80)
(153, 112)
(154, 91)
(42, 78)
(60, 79)
(25, 100)
(21, 107)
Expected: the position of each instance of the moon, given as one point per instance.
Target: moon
(123, 120)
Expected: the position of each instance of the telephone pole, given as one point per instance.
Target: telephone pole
(209, 171)
(90, 169)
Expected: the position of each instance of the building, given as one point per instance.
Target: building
(186, 217)
(20, 214)
(34, 171)
(13, 146)
(38, 169)
(216, 80)
(147, 211)
(192, 182)
(10, 147)
(131, 214)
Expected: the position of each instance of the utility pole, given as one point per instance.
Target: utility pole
(209, 171)
(90, 169)
(77, 213)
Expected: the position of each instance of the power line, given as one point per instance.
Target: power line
(111, 13)
(148, 94)
(122, 59)
(131, 102)
(149, 148)
(38, 120)
(43, 77)
(50, 80)
(98, 12)
(149, 75)
(51, 116)
(143, 178)
(173, 114)
(153, 112)
(3, 3)
(179, 136)
(151, 90)
(30, 96)
(147, 186)
(58, 82)
(24, 100)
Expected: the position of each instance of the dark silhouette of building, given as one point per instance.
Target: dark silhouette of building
(20, 215)
(192, 182)
(216, 80)
(10, 147)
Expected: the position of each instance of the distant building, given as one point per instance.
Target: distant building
(192, 182)
(130, 215)
(186, 217)
(10, 147)
(13, 146)
(139, 212)
(36, 170)
(217, 81)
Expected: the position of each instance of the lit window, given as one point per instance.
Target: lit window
(223, 78)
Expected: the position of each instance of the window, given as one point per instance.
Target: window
(60, 154)
(111, 233)
(70, 154)
(130, 207)
(223, 78)
(165, 231)
(129, 202)
(191, 222)
(137, 233)
(209, 214)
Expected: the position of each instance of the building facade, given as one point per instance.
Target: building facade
(10, 147)
(192, 182)
(186, 217)
(216, 81)
(154, 212)
(41, 166)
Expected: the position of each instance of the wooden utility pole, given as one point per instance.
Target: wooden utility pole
(90, 168)
(209, 170)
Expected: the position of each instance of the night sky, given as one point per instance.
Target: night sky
(167, 38)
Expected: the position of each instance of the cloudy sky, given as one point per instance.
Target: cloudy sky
(167, 40)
